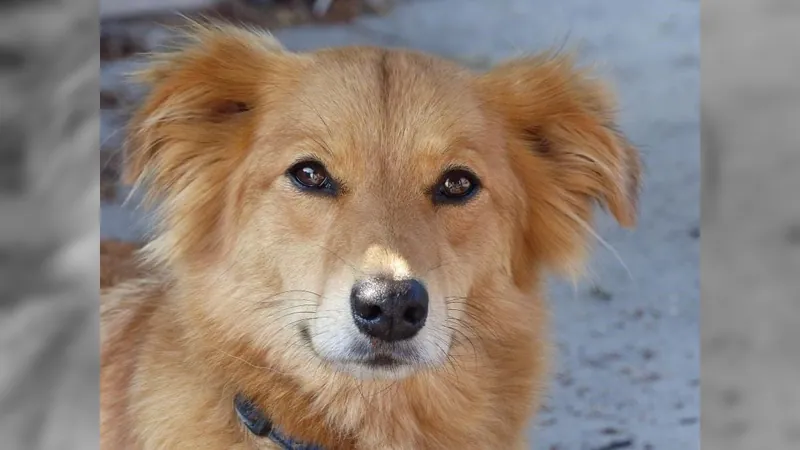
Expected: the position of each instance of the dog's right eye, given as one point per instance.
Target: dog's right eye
(456, 186)
(312, 176)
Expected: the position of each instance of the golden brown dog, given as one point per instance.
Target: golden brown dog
(354, 241)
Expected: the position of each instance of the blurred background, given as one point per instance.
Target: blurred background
(751, 224)
(49, 224)
(628, 336)
(627, 375)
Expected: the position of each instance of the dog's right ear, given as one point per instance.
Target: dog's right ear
(197, 125)
(199, 109)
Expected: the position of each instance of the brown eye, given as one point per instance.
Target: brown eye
(456, 186)
(311, 175)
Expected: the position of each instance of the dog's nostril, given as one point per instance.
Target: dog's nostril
(414, 315)
(369, 312)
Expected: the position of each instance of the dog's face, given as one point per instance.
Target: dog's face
(365, 208)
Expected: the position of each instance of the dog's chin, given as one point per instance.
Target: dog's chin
(365, 361)
(374, 366)
(370, 370)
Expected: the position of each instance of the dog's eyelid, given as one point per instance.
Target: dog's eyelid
(307, 158)
(457, 168)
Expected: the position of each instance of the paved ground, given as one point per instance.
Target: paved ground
(628, 337)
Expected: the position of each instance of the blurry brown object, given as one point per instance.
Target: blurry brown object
(116, 262)
(109, 174)
(108, 100)
(265, 14)
(118, 44)
(277, 14)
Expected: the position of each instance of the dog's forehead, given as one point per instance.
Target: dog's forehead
(399, 102)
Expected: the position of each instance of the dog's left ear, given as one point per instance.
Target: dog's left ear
(566, 121)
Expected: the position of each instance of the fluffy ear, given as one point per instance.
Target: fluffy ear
(198, 91)
(197, 124)
(566, 148)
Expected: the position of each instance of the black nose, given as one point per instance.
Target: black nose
(389, 310)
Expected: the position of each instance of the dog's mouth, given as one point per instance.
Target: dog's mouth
(377, 361)
(381, 361)
(372, 356)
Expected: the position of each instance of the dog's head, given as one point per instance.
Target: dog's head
(350, 206)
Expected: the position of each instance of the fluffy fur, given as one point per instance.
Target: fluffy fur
(242, 260)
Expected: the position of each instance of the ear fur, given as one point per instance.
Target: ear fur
(566, 150)
(197, 124)
(216, 73)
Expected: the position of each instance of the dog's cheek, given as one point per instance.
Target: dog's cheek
(301, 217)
(465, 227)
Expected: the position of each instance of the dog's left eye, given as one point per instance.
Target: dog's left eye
(456, 186)
(311, 175)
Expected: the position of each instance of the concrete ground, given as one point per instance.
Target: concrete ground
(628, 369)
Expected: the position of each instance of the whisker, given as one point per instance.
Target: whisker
(458, 333)
(302, 291)
(248, 363)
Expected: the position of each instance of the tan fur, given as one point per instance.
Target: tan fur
(239, 251)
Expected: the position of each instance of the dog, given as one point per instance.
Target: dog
(351, 245)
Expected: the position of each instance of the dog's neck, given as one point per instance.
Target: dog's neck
(367, 414)
(261, 426)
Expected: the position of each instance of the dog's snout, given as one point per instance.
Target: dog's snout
(389, 310)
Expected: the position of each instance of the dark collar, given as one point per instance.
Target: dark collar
(258, 424)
